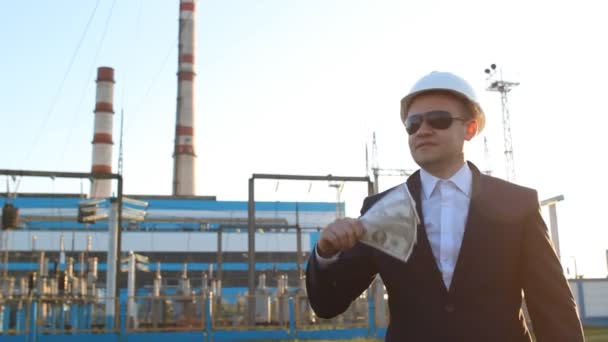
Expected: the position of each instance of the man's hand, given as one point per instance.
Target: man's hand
(340, 235)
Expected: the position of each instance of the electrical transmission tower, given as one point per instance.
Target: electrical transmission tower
(120, 161)
(377, 171)
(504, 87)
(486, 152)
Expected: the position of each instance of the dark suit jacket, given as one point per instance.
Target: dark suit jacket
(505, 249)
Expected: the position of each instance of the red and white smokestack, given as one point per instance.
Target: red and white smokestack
(102, 136)
(183, 155)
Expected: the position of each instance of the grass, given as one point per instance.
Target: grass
(352, 340)
(596, 334)
(591, 335)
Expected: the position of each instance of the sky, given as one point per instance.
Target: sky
(299, 87)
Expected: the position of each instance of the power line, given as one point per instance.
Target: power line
(153, 82)
(160, 70)
(129, 57)
(65, 76)
(86, 87)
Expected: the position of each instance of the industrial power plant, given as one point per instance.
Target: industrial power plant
(109, 266)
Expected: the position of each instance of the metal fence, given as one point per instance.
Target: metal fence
(188, 313)
(45, 316)
(35, 319)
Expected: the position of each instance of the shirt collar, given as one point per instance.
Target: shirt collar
(463, 179)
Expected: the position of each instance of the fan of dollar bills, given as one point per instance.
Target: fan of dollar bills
(391, 223)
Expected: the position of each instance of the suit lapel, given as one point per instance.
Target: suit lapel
(423, 247)
(472, 232)
(470, 239)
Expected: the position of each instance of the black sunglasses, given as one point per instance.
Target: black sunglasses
(438, 119)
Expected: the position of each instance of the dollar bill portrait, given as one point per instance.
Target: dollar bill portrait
(379, 237)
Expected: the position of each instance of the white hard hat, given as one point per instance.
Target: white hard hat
(445, 81)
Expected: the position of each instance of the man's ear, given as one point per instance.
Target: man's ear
(472, 127)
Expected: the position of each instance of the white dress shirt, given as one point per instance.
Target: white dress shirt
(445, 206)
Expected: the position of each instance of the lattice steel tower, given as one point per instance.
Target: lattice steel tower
(504, 87)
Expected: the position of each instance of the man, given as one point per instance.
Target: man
(481, 243)
(379, 237)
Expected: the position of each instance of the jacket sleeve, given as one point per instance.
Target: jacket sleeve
(332, 289)
(548, 297)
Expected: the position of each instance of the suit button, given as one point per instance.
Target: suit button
(449, 308)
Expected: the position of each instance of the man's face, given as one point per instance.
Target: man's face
(436, 149)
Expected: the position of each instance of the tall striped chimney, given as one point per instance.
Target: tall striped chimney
(102, 136)
(183, 155)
